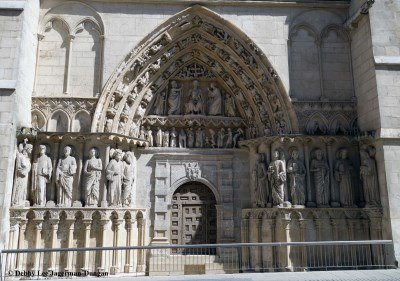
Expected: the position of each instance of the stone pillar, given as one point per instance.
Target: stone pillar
(366, 249)
(329, 149)
(286, 226)
(310, 202)
(245, 239)
(38, 242)
(68, 64)
(267, 236)
(352, 251)
(141, 265)
(53, 255)
(335, 237)
(21, 244)
(115, 261)
(254, 238)
(13, 244)
(128, 256)
(376, 234)
(69, 257)
(303, 249)
(87, 224)
(321, 80)
(103, 227)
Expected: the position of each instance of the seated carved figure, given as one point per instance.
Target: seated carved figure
(195, 104)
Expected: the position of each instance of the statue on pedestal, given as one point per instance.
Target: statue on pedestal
(199, 138)
(277, 178)
(343, 175)
(190, 138)
(128, 179)
(22, 169)
(369, 176)
(65, 172)
(114, 173)
(230, 106)
(260, 175)
(92, 176)
(182, 139)
(173, 137)
(159, 104)
(166, 138)
(159, 137)
(42, 170)
(297, 178)
(320, 169)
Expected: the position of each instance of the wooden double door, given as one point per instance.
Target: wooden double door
(193, 215)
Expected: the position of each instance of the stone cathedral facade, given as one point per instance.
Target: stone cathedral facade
(131, 123)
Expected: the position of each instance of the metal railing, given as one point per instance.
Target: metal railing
(195, 259)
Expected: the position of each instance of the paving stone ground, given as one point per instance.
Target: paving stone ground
(351, 275)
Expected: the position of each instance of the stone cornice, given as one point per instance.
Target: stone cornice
(342, 4)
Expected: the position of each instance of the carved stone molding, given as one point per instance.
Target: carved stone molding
(199, 36)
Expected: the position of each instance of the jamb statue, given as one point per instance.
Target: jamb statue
(65, 172)
(42, 170)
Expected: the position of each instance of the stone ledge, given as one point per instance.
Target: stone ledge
(12, 5)
(387, 60)
(7, 84)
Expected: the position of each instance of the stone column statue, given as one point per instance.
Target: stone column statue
(166, 138)
(159, 137)
(42, 171)
(92, 175)
(343, 175)
(149, 136)
(114, 172)
(277, 178)
(260, 176)
(174, 99)
(159, 104)
(65, 172)
(230, 106)
(195, 104)
(215, 98)
(369, 177)
(128, 179)
(297, 178)
(173, 137)
(182, 139)
(229, 138)
(220, 138)
(190, 138)
(199, 138)
(22, 169)
(320, 169)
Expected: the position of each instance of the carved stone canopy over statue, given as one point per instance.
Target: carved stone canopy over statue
(66, 169)
(320, 170)
(22, 169)
(42, 170)
(92, 176)
(277, 178)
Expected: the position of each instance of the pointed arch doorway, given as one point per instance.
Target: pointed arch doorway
(194, 215)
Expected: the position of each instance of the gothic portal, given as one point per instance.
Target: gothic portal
(210, 129)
